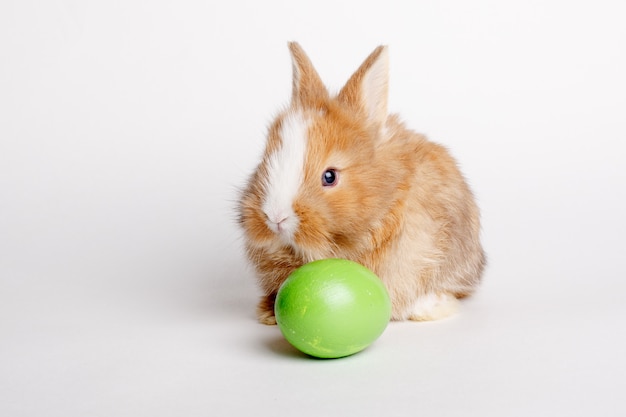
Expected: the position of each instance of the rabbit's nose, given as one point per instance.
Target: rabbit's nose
(278, 221)
(281, 222)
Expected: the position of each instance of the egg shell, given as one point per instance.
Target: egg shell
(332, 308)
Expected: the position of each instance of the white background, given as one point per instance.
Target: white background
(127, 127)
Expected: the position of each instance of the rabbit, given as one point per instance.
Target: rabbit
(342, 178)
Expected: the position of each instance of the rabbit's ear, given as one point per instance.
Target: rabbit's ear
(308, 89)
(367, 89)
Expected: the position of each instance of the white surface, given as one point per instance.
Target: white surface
(126, 128)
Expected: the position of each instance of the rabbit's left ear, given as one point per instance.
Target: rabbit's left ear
(368, 88)
(308, 89)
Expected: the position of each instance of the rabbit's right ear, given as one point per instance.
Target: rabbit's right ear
(368, 87)
(308, 89)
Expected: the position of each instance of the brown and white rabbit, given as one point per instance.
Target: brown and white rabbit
(341, 178)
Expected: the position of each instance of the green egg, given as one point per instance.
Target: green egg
(332, 308)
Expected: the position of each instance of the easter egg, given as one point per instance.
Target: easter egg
(332, 308)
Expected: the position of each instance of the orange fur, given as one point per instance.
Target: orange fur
(401, 208)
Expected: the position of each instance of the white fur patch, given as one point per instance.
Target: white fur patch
(285, 176)
(434, 307)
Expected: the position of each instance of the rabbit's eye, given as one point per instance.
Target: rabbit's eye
(330, 178)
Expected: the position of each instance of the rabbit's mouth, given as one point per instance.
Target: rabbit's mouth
(283, 225)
